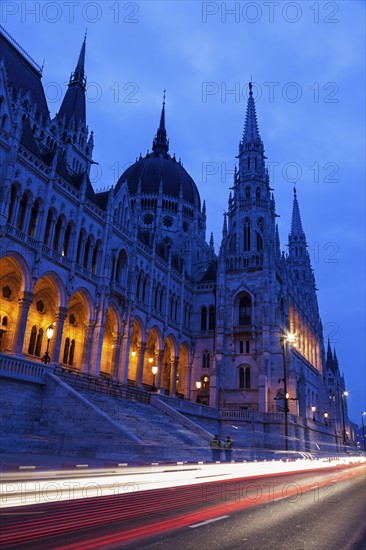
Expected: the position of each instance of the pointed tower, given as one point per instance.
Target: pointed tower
(251, 239)
(161, 143)
(73, 109)
(298, 256)
(251, 148)
(71, 121)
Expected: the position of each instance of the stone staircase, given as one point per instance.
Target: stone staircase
(163, 437)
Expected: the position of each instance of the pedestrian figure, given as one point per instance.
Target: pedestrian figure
(228, 448)
(215, 445)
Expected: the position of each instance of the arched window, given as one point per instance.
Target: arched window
(95, 257)
(47, 233)
(203, 318)
(241, 378)
(72, 353)
(244, 378)
(88, 247)
(257, 191)
(80, 247)
(66, 351)
(280, 400)
(121, 267)
(22, 209)
(33, 219)
(247, 192)
(39, 343)
(206, 359)
(211, 318)
(69, 352)
(138, 287)
(259, 239)
(67, 239)
(32, 340)
(13, 199)
(56, 238)
(246, 236)
(247, 377)
(245, 313)
(144, 290)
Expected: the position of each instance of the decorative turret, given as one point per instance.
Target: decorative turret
(73, 105)
(161, 143)
(251, 149)
(298, 254)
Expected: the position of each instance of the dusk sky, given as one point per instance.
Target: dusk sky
(306, 61)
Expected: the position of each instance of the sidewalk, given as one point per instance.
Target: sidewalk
(15, 461)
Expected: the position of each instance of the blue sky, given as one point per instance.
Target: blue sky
(307, 63)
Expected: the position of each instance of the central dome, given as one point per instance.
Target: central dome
(158, 171)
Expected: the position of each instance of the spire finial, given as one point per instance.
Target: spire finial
(161, 143)
(296, 225)
(251, 132)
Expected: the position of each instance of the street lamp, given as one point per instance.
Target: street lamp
(344, 394)
(326, 416)
(363, 430)
(198, 386)
(290, 338)
(313, 410)
(49, 332)
(154, 371)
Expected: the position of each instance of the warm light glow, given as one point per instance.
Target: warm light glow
(287, 395)
(154, 369)
(313, 409)
(326, 415)
(205, 379)
(198, 385)
(50, 332)
(133, 354)
(150, 360)
(291, 338)
(345, 393)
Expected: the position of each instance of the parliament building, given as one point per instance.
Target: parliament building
(110, 284)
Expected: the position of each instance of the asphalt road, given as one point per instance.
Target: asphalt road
(333, 518)
(307, 510)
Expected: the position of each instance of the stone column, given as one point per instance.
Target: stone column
(24, 302)
(88, 341)
(125, 362)
(56, 341)
(173, 378)
(189, 379)
(140, 363)
(117, 356)
(160, 368)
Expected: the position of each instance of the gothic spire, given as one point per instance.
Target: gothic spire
(78, 75)
(296, 225)
(161, 143)
(73, 105)
(251, 132)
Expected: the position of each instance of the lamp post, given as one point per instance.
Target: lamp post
(326, 416)
(363, 430)
(198, 386)
(46, 358)
(291, 339)
(313, 408)
(344, 394)
(154, 371)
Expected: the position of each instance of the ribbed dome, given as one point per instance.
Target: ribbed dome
(157, 168)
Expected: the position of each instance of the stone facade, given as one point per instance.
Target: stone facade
(127, 280)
